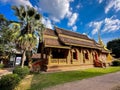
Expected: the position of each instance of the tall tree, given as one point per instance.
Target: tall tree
(114, 45)
(30, 28)
(2, 25)
(6, 46)
(4, 34)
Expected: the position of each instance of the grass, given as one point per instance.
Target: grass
(40, 81)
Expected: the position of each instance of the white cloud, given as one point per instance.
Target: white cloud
(96, 26)
(17, 2)
(69, 13)
(72, 19)
(74, 28)
(57, 9)
(111, 24)
(106, 25)
(100, 1)
(47, 23)
(113, 4)
(84, 33)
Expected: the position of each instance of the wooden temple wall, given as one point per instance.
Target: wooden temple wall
(81, 58)
(69, 62)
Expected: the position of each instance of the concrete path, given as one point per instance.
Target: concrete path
(105, 82)
(5, 71)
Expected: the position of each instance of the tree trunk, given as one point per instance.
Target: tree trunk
(23, 58)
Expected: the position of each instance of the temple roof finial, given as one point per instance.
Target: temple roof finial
(100, 41)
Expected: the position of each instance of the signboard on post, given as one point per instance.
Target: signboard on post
(18, 61)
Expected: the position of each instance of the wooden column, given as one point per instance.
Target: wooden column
(69, 57)
(82, 56)
(49, 56)
(91, 59)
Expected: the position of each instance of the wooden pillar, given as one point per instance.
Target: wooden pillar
(82, 55)
(78, 55)
(49, 56)
(84, 61)
(69, 57)
(91, 59)
(67, 54)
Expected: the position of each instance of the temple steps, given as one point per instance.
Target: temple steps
(56, 68)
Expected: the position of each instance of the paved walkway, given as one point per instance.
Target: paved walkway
(5, 71)
(105, 82)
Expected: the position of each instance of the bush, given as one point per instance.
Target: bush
(1, 65)
(9, 81)
(116, 63)
(22, 72)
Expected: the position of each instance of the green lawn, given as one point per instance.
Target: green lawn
(40, 81)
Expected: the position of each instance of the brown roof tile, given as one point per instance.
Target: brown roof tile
(85, 42)
(98, 46)
(65, 41)
(74, 42)
(49, 32)
(70, 33)
(50, 42)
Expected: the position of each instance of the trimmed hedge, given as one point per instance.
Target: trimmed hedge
(22, 72)
(9, 81)
(116, 63)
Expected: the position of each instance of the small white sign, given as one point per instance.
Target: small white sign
(18, 60)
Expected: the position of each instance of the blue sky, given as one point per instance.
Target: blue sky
(82, 16)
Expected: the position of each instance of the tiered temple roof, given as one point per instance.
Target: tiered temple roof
(60, 38)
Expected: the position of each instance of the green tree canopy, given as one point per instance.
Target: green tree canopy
(5, 35)
(114, 45)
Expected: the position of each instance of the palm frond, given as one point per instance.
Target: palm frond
(22, 11)
(31, 12)
(31, 19)
(37, 17)
(16, 9)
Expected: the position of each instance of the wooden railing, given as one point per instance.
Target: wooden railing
(58, 61)
(54, 60)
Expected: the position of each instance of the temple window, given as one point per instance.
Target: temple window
(75, 55)
(58, 53)
(86, 56)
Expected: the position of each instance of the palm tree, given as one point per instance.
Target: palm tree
(30, 26)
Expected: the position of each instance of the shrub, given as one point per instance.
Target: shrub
(9, 81)
(22, 72)
(116, 63)
(1, 65)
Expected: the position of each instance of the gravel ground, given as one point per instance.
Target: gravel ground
(105, 82)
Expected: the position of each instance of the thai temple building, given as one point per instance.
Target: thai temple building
(66, 50)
